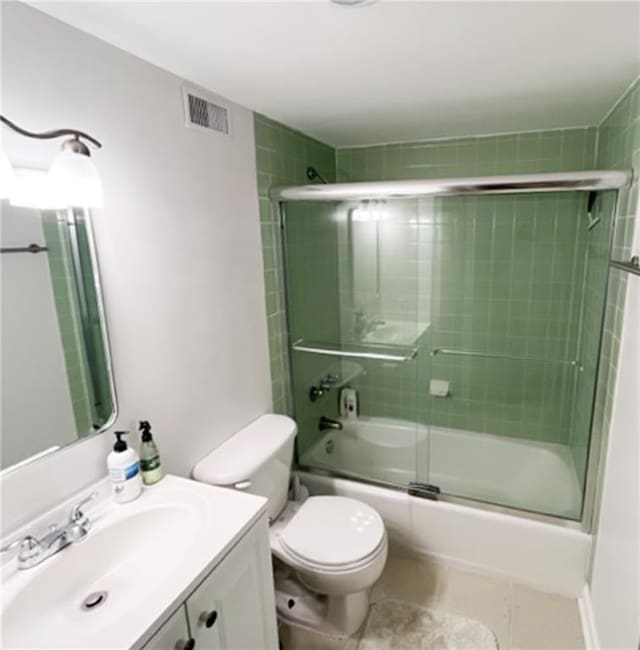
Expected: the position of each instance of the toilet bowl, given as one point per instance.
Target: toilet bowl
(328, 550)
(337, 547)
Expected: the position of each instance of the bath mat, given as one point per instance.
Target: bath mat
(394, 625)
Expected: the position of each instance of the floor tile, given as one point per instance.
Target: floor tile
(296, 638)
(520, 617)
(486, 599)
(411, 579)
(544, 621)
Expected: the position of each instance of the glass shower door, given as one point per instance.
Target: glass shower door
(355, 332)
(517, 292)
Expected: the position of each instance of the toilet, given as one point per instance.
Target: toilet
(328, 550)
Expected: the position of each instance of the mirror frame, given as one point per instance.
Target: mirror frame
(68, 214)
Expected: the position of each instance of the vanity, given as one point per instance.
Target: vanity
(185, 566)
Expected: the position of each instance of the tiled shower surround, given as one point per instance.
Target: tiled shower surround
(506, 276)
(519, 275)
(618, 148)
(282, 157)
(68, 320)
(90, 392)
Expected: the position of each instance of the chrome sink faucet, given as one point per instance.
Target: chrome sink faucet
(365, 324)
(33, 551)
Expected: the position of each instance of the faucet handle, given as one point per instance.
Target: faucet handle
(77, 516)
(28, 546)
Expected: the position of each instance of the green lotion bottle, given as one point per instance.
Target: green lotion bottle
(149, 456)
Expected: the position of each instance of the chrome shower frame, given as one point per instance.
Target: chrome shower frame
(581, 181)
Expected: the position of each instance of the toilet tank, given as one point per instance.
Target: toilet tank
(256, 459)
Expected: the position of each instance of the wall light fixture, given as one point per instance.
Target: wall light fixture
(73, 178)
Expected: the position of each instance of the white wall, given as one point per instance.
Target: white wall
(178, 242)
(615, 582)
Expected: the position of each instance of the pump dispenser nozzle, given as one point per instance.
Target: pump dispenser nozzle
(120, 444)
(145, 427)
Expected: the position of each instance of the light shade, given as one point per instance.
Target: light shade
(32, 189)
(7, 178)
(75, 179)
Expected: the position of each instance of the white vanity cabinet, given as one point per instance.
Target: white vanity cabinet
(233, 608)
(173, 635)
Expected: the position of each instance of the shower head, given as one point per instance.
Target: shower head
(313, 173)
(591, 220)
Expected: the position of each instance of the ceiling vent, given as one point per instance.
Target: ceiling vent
(203, 113)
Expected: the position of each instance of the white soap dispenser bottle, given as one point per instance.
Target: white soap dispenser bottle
(124, 471)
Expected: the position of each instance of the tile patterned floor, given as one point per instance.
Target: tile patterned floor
(520, 617)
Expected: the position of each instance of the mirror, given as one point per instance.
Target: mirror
(57, 384)
(389, 295)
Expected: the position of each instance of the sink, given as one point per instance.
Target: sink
(137, 559)
(397, 332)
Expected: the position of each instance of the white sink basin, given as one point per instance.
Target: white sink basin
(142, 555)
(397, 332)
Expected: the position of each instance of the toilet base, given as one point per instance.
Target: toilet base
(335, 615)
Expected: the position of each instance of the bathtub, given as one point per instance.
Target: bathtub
(544, 552)
(528, 475)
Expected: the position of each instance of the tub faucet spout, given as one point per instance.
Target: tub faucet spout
(325, 424)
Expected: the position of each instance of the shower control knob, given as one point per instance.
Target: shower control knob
(315, 392)
(208, 619)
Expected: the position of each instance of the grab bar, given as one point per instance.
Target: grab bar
(632, 266)
(334, 351)
(31, 248)
(494, 355)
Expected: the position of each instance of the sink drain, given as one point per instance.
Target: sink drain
(94, 600)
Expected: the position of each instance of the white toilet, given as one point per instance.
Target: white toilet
(328, 550)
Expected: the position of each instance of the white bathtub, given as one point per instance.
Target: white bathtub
(535, 476)
(549, 556)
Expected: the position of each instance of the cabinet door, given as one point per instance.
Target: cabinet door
(173, 635)
(234, 608)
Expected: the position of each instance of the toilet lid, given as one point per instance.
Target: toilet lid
(333, 531)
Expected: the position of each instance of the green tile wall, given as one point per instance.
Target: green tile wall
(68, 320)
(505, 275)
(282, 157)
(618, 148)
(540, 151)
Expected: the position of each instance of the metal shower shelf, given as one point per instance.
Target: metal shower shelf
(399, 353)
(495, 355)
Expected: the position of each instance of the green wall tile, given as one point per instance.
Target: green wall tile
(282, 157)
(618, 148)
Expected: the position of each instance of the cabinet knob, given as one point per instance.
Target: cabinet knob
(208, 619)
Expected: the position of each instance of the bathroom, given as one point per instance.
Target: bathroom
(378, 301)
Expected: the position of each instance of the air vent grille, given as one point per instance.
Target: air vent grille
(205, 114)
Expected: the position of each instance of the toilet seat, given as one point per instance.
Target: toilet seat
(333, 534)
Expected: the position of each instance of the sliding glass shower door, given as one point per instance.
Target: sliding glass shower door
(355, 325)
(517, 293)
(450, 341)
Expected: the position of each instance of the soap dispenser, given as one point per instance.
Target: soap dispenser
(149, 456)
(124, 471)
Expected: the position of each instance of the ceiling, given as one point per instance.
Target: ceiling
(390, 71)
